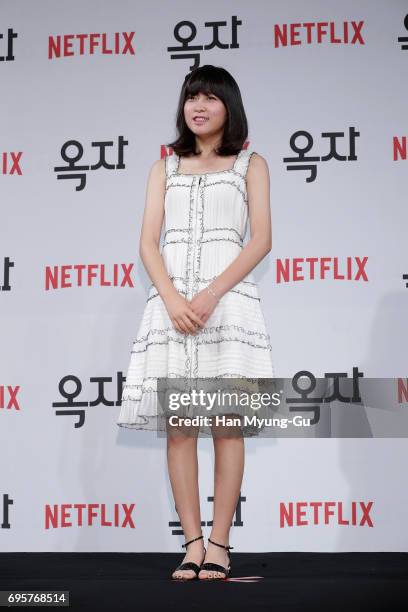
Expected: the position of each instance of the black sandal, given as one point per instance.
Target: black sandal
(215, 567)
(189, 565)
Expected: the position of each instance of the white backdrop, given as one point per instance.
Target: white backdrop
(59, 483)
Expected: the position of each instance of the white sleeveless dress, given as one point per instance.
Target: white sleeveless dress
(206, 219)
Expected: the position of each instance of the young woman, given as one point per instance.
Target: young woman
(203, 317)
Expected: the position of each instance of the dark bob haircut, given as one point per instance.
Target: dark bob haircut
(215, 80)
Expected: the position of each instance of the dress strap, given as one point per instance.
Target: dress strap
(171, 162)
(242, 161)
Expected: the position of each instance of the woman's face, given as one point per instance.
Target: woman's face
(211, 110)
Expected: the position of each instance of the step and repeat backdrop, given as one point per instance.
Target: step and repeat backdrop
(89, 92)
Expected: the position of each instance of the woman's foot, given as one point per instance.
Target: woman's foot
(215, 554)
(195, 553)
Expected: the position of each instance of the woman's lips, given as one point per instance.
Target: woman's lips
(200, 120)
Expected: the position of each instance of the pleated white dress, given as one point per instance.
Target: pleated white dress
(206, 218)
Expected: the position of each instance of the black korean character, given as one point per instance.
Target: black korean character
(185, 44)
(70, 403)
(333, 154)
(304, 392)
(301, 155)
(404, 39)
(336, 395)
(71, 164)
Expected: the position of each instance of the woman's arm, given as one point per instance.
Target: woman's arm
(149, 246)
(180, 312)
(260, 243)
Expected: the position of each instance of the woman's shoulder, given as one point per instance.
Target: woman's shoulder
(158, 170)
(256, 160)
(159, 164)
(254, 155)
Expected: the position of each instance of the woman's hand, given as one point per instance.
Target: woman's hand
(183, 317)
(203, 304)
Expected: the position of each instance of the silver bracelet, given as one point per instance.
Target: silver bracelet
(212, 292)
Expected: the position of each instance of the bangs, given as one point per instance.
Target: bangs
(204, 85)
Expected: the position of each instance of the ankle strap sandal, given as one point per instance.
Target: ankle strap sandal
(190, 565)
(193, 540)
(215, 567)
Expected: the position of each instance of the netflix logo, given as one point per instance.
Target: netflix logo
(88, 515)
(299, 514)
(8, 397)
(315, 32)
(10, 163)
(402, 390)
(321, 268)
(399, 148)
(88, 275)
(67, 45)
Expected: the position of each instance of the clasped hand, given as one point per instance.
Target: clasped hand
(188, 316)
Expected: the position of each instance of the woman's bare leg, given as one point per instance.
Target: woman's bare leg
(229, 451)
(183, 472)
